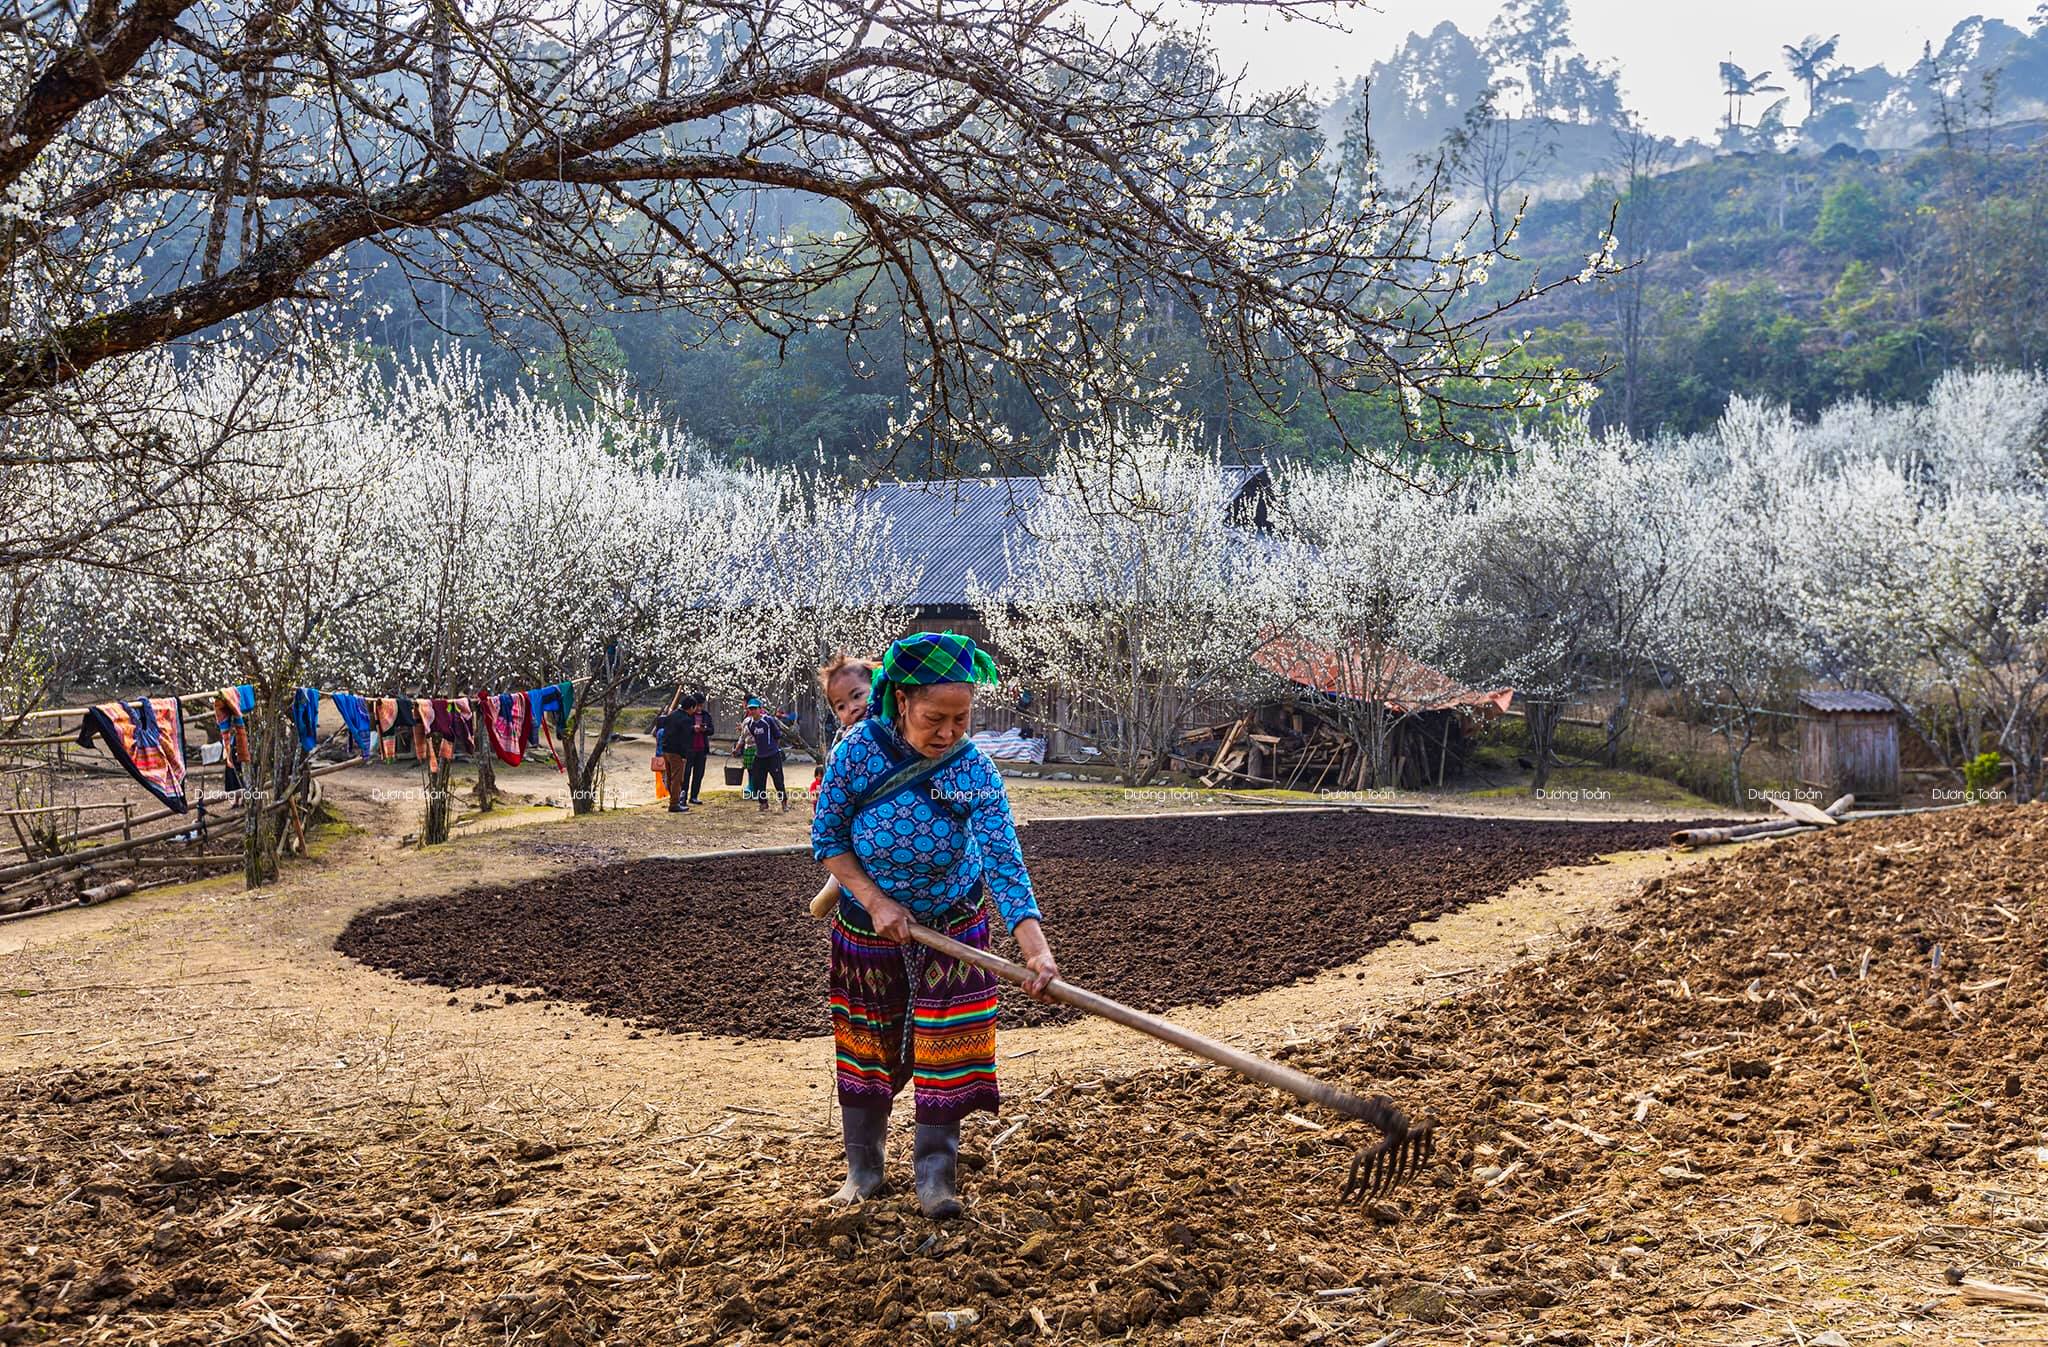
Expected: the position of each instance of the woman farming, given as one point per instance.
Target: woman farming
(914, 823)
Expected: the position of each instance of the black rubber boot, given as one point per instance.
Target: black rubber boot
(866, 1131)
(937, 1163)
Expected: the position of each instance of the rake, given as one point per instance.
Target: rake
(1402, 1150)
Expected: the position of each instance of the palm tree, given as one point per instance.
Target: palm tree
(1808, 62)
(1738, 84)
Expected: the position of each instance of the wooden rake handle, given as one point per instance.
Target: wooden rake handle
(1376, 1110)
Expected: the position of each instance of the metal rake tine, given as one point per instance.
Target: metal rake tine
(1418, 1146)
(1381, 1168)
(1367, 1172)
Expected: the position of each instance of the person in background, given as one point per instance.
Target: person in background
(672, 731)
(762, 734)
(847, 684)
(697, 744)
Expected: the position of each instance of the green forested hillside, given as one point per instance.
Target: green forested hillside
(1804, 279)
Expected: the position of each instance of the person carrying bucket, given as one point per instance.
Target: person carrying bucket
(759, 744)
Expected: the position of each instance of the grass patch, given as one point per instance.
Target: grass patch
(1697, 778)
(1603, 785)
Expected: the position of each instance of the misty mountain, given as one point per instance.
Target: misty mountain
(1525, 70)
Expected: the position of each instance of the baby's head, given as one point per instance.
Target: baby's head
(846, 681)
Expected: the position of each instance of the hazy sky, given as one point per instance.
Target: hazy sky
(1668, 52)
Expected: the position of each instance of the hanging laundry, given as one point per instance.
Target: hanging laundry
(506, 722)
(306, 717)
(230, 723)
(405, 725)
(245, 697)
(423, 746)
(567, 692)
(465, 724)
(147, 737)
(538, 702)
(450, 722)
(385, 715)
(355, 713)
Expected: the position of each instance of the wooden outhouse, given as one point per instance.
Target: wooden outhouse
(1849, 744)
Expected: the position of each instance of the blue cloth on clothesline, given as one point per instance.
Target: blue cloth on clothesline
(306, 717)
(355, 713)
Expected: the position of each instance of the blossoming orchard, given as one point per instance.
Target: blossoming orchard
(730, 674)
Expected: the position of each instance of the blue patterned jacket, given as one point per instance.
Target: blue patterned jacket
(926, 847)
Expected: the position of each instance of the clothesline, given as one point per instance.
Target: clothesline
(146, 735)
(210, 693)
(54, 712)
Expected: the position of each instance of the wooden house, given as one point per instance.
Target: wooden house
(1849, 744)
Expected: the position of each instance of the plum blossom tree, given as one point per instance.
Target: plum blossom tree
(1937, 598)
(1361, 574)
(1731, 630)
(544, 544)
(618, 564)
(817, 571)
(277, 561)
(1894, 548)
(1564, 566)
(107, 486)
(1138, 592)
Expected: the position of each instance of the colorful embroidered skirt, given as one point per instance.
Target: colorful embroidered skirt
(903, 1013)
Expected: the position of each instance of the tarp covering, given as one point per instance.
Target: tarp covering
(1407, 684)
(1010, 746)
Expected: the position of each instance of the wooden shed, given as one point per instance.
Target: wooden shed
(1849, 744)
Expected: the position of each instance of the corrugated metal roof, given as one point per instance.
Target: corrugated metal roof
(1837, 700)
(1406, 682)
(959, 526)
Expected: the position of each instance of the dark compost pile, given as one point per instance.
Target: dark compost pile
(1156, 912)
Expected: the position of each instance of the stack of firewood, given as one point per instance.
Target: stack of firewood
(1236, 752)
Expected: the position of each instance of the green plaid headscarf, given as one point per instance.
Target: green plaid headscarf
(926, 658)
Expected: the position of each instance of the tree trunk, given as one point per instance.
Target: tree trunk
(1736, 753)
(435, 830)
(1542, 732)
(1616, 727)
(262, 778)
(585, 768)
(1379, 745)
(582, 778)
(486, 776)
